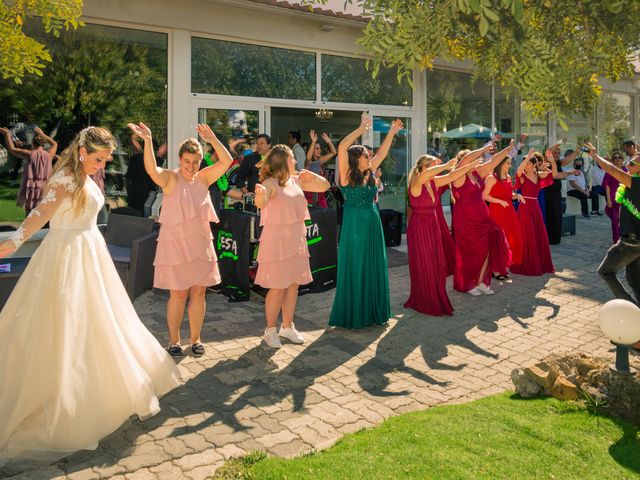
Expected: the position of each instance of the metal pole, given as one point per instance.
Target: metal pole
(622, 358)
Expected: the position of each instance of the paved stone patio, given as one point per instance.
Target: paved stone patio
(242, 396)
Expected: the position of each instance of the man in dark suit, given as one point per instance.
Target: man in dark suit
(248, 173)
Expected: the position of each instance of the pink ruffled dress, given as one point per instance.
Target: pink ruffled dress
(283, 257)
(185, 256)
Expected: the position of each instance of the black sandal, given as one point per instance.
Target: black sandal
(197, 349)
(175, 350)
(502, 277)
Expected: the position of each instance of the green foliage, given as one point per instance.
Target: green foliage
(550, 52)
(498, 437)
(97, 77)
(20, 54)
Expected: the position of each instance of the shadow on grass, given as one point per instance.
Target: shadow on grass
(626, 451)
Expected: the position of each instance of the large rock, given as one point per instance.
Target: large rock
(525, 386)
(563, 389)
(543, 374)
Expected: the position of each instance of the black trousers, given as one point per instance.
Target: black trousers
(624, 254)
(553, 204)
(595, 201)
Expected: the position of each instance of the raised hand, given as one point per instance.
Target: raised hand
(523, 137)
(451, 164)
(313, 135)
(326, 137)
(592, 149)
(365, 122)
(206, 133)
(396, 126)
(141, 130)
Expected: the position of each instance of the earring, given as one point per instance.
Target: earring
(81, 158)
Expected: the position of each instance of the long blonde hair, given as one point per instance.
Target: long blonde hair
(92, 139)
(276, 164)
(423, 161)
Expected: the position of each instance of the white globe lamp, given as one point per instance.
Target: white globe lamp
(620, 322)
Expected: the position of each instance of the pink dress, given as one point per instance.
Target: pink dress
(185, 256)
(448, 246)
(428, 263)
(283, 256)
(477, 237)
(536, 255)
(36, 173)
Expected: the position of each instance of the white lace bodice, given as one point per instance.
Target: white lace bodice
(56, 207)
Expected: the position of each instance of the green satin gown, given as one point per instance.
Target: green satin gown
(362, 290)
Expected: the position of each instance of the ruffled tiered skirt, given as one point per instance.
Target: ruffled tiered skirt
(35, 176)
(185, 256)
(283, 257)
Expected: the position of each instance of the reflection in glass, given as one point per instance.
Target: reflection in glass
(100, 75)
(228, 124)
(614, 121)
(230, 68)
(394, 167)
(458, 111)
(346, 79)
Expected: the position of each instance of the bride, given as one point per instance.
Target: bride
(76, 361)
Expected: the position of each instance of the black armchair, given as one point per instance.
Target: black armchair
(132, 245)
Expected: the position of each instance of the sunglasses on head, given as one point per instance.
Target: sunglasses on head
(617, 157)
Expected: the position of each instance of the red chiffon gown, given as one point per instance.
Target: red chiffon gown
(427, 260)
(448, 245)
(476, 237)
(507, 217)
(536, 255)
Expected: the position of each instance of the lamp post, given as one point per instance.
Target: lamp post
(620, 322)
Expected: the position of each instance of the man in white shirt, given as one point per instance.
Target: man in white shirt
(298, 151)
(630, 149)
(578, 189)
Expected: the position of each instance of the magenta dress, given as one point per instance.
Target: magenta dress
(283, 256)
(614, 212)
(476, 237)
(185, 256)
(36, 173)
(448, 246)
(427, 260)
(536, 255)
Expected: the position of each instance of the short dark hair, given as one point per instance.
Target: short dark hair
(295, 134)
(265, 136)
(628, 143)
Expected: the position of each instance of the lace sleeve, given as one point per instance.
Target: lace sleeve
(60, 186)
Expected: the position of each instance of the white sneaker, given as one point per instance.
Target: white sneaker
(485, 289)
(291, 334)
(271, 337)
(475, 292)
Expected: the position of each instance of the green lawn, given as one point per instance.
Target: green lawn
(9, 211)
(499, 437)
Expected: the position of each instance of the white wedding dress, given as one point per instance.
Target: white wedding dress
(75, 360)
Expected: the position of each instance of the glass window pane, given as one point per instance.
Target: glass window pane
(230, 68)
(458, 112)
(614, 121)
(394, 167)
(536, 129)
(100, 75)
(346, 79)
(228, 124)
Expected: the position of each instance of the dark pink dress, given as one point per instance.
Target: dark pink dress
(536, 255)
(448, 246)
(476, 237)
(36, 173)
(614, 212)
(427, 260)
